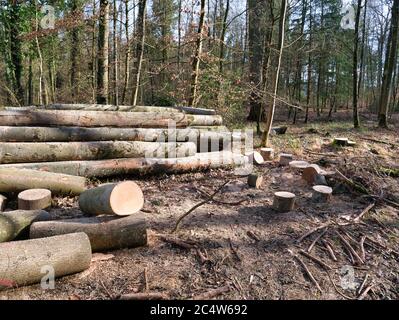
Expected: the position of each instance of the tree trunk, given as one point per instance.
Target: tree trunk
(15, 223)
(197, 57)
(265, 138)
(222, 37)
(356, 120)
(141, 26)
(127, 55)
(115, 55)
(102, 54)
(256, 28)
(22, 262)
(21, 152)
(16, 180)
(16, 50)
(120, 167)
(309, 78)
(105, 233)
(390, 62)
(75, 48)
(105, 119)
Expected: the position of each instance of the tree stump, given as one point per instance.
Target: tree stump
(255, 180)
(298, 165)
(24, 262)
(284, 201)
(122, 199)
(3, 202)
(285, 159)
(322, 194)
(34, 199)
(255, 157)
(267, 154)
(310, 173)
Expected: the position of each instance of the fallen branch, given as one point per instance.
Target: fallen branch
(315, 259)
(145, 296)
(365, 292)
(177, 242)
(310, 275)
(316, 239)
(371, 206)
(210, 198)
(330, 249)
(212, 293)
(363, 284)
(312, 231)
(350, 248)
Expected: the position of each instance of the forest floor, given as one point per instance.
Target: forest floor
(247, 245)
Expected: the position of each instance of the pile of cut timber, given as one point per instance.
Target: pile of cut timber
(104, 140)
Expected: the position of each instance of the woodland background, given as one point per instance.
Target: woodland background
(219, 54)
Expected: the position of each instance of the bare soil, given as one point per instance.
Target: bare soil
(238, 240)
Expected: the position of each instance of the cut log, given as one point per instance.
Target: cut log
(117, 167)
(299, 165)
(322, 194)
(17, 180)
(341, 142)
(285, 159)
(211, 128)
(105, 119)
(255, 180)
(3, 202)
(255, 157)
(267, 154)
(15, 223)
(34, 199)
(100, 107)
(121, 199)
(105, 233)
(22, 152)
(75, 134)
(23, 262)
(284, 201)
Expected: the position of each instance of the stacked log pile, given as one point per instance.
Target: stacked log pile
(101, 141)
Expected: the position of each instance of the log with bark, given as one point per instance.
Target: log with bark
(15, 223)
(25, 152)
(105, 233)
(122, 199)
(74, 134)
(105, 119)
(26, 262)
(284, 201)
(116, 167)
(99, 107)
(20, 179)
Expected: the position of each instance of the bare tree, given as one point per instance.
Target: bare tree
(270, 116)
(390, 62)
(141, 24)
(197, 56)
(102, 65)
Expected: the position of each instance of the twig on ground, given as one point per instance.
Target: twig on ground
(316, 239)
(146, 283)
(312, 231)
(177, 242)
(310, 275)
(315, 259)
(212, 293)
(330, 249)
(144, 296)
(336, 288)
(350, 248)
(365, 292)
(363, 251)
(363, 284)
(210, 198)
(234, 250)
(371, 206)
